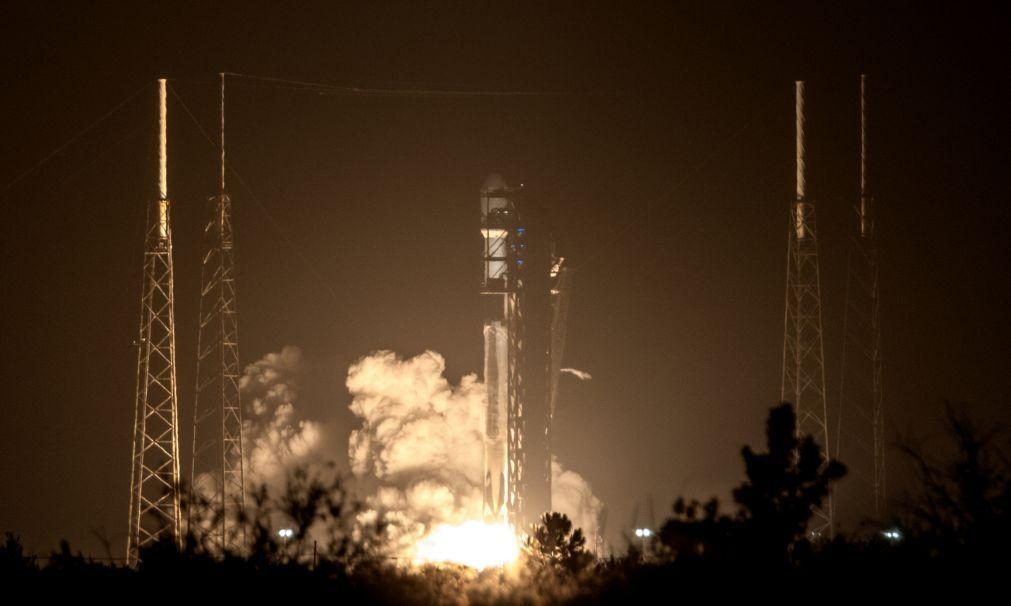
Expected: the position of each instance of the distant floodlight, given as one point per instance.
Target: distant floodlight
(892, 534)
(286, 533)
(643, 534)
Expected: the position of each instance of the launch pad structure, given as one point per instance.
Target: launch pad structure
(525, 287)
(525, 290)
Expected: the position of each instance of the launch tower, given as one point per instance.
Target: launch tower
(502, 285)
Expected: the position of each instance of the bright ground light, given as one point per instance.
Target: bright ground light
(475, 544)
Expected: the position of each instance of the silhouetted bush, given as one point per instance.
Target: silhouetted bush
(13, 560)
(960, 510)
(785, 487)
(553, 542)
(956, 529)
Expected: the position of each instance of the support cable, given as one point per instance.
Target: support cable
(333, 89)
(259, 203)
(71, 140)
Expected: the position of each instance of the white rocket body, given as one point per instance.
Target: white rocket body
(496, 209)
(496, 462)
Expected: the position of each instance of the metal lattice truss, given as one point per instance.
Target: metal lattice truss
(503, 280)
(515, 423)
(803, 350)
(860, 391)
(217, 474)
(860, 388)
(154, 494)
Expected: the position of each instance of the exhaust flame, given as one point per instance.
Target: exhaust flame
(473, 543)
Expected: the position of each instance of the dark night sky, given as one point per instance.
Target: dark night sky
(669, 159)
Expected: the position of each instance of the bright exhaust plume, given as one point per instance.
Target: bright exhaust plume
(473, 543)
(417, 456)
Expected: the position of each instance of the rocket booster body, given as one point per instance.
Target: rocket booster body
(499, 286)
(496, 463)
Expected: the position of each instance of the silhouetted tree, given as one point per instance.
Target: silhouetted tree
(784, 485)
(13, 559)
(962, 507)
(958, 524)
(775, 504)
(696, 530)
(554, 541)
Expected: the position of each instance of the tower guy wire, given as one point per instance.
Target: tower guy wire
(73, 139)
(258, 203)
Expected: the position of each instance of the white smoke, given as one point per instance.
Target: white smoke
(571, 495)
(418, 453)
(275, 438)
(421, 442)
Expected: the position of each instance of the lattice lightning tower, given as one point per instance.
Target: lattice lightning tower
(803, 351)
(154, 484)
(216, 475)
(860, 389)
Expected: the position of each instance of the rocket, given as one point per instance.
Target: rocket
(524, 291)
(498, 216)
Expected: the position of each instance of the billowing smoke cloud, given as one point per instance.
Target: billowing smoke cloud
(275, 438)
(421, 444)
(417, 455)
(571, 495)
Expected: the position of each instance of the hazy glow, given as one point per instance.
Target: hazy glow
(475, 544)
